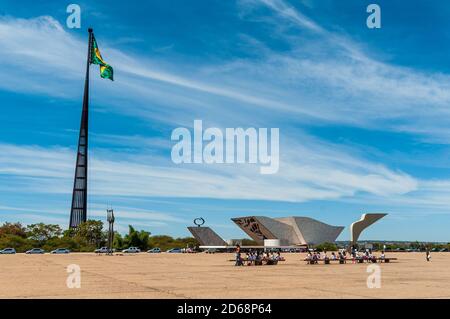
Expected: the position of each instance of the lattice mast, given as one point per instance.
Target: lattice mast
(78, 212)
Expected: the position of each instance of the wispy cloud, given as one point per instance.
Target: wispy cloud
(293, 15)
(124, 215)
(327, 80)
(365, 91)
(319, 173)
(298, 84)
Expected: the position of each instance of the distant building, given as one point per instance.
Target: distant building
(289, 230)
(234, 242)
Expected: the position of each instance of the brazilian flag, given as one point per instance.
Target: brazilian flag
(106, 71)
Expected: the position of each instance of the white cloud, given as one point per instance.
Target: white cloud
(345, 85)
(307, 172)
(364, 91)
(295, 16)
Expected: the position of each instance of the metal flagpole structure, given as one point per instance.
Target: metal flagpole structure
(78, 212)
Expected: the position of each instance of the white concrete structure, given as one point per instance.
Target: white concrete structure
(357, 227)
(272, 243)
(288, 230)
(206, 236)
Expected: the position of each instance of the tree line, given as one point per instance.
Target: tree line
(85, 238)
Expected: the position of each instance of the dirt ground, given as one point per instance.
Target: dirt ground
(213, 276)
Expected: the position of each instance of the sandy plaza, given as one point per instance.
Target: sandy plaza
(214, 276)
(224, 158)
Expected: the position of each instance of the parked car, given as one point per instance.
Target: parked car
(8, 251)
(60, 251)
(154, 251)
(35, 251)
(174, 251)
(211, 251)
(131, 250)
(102, 250)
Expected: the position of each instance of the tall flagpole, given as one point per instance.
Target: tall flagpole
(78, 212)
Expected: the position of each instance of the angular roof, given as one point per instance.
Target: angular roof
(294, 230)
(206, 236)
(311, 231)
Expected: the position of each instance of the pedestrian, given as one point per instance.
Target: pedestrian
(238, 256)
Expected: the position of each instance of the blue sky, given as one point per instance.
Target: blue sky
(363, 114)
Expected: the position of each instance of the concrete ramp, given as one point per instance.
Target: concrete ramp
(206, 236)
(357, 227)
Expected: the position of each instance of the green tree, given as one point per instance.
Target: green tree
(163, 242)
(166, 242)
(118, 241)
(136, 238)
(90, 233)
(42, 232)
(70, 232)
(15, 229)
(86, 237)
(132, 238)
(326, 247)
(143, 238)
(188, 242)
(19, 243)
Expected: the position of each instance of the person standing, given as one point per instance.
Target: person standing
(428, 254)
(383, 256)
(238, 256)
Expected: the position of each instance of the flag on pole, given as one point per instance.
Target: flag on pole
(106, 71)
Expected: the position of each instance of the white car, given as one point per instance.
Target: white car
(8, 251)
(60, 251)
(102, 250)
(131, 250)
(35, 251)
(154, 251)
(174, 251)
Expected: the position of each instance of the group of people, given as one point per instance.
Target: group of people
(257, 258)
(367, 255)
(315, 257)
(270, 258)
(356, 256)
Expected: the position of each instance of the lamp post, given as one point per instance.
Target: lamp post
(110, 218)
